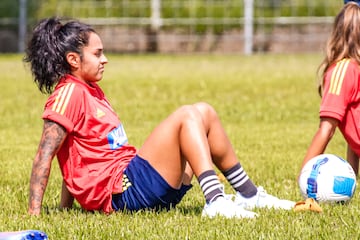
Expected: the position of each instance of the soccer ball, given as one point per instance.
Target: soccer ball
(327, 178)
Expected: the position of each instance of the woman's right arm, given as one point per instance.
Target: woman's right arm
(52, 138)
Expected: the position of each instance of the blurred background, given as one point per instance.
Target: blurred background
(182, 26)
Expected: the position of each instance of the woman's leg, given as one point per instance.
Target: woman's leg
(186, 143)
(192, 134)
(221, 149)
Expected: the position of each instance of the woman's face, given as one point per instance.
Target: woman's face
(90, 67)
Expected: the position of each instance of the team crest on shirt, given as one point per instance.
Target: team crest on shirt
(117, 137)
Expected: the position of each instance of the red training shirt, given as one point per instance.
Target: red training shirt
(96, 150)
(341, 100)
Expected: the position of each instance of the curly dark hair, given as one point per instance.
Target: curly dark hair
(48, 46)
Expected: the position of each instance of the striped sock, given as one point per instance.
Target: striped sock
(210, 185)
(240, 181)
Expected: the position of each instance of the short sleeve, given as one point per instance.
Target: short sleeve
(339, 87)
(64, 106)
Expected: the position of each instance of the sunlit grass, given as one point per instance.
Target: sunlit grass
(268, 105)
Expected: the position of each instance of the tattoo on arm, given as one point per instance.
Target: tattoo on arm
(51, 140)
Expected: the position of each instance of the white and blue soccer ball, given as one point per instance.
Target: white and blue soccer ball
(327, 178)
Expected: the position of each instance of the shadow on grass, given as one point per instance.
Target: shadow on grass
(190, 210)
(184, 210)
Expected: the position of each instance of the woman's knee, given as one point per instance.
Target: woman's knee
(200, 111)
(206, 110)
(188, 112)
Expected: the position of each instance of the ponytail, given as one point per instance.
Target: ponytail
(47, 49)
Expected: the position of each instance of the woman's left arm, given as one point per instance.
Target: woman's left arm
(353, 159)
(66, 199)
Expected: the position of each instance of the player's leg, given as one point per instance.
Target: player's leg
(224, 157)
(188, 174)
(222, 151)
(183, 138)
(194, 134)
(179, 139)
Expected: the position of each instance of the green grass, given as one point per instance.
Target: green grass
(268, 104)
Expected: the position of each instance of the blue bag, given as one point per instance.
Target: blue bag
(24, 235)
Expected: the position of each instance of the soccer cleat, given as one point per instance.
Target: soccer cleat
(263, 200)
(225, 207)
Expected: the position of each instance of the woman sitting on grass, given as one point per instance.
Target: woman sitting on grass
(100, 169)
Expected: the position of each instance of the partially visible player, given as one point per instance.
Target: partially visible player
(100, 169)
(347, 1)
(340, 86)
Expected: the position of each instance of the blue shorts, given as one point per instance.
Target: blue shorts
(144, 188)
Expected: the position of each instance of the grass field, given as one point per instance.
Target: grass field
(268, 104)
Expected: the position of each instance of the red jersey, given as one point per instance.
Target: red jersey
(341, 100)
(96, 150)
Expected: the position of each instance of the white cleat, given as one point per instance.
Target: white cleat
(225, 207)
(263, 200)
